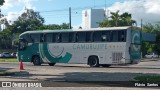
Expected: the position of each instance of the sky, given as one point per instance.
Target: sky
(57, 11)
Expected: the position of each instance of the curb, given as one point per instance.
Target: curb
(147, 60)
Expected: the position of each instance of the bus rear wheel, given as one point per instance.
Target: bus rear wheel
(51, 64)
(36, 61)
(93, 61)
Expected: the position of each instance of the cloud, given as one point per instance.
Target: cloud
(12, 15)
(148, 10)
(28, 4)
(10, 3)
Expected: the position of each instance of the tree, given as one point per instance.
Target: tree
(2, 2)
(4, 20)
(5, 39)
(54, 26)
(64, 26)
(115, 17)
(125, 19)
(151, 46)
(29, 20)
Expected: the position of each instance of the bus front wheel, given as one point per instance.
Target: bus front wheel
(36, 61)
(51, 64)
(93, 61)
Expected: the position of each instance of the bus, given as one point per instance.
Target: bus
(95, 47)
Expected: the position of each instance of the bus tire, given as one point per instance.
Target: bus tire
(36, 61)
(51, 64)
(105, 65)
(93, 61)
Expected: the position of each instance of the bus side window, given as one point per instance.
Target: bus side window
(121, 35)
(41, 37)
(88, 36)
(124, 34)
(48, 37)
(81, 36)
(36, 38)
(97, 36)
(65, 37)
(72, 36)
(114, 36)
(56, 37)
(105, 36)
(108, 33)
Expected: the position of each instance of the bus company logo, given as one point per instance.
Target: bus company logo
(136, 39)
(6, 84)
(55, 50)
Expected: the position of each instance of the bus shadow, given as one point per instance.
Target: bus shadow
(134, 67)
(96, 78)
(63, 66)
(5, 69)
(113, 66)
(92, 79)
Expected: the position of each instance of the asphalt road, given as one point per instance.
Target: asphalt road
(79, 72)
(82, 72)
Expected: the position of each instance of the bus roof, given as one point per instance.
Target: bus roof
(70, 30)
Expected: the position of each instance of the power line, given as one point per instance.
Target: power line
(77, 8)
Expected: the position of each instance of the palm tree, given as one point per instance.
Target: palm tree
(126, 19)
(115, 17)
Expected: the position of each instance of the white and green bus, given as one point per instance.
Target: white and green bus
(95, 47)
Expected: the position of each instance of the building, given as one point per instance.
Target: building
(91, 17)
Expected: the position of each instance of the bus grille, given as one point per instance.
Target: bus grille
(116, 57)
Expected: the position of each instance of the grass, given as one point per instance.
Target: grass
(148, 78)
(9, 60)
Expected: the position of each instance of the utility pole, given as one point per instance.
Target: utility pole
(0, 21)
(105, 9)
(94, 4)
(141, 24)
(70, 26)
(141, 36)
